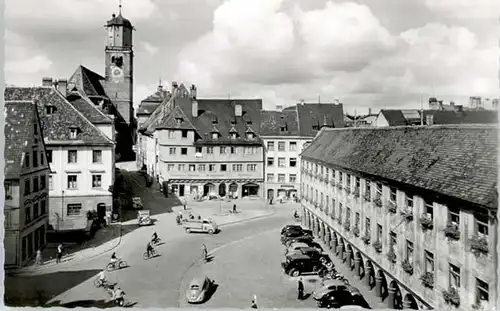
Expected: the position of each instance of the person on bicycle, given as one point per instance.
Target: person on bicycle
(102, 278)
(149, 249)
(113, 259)
(295, 214)
(204, 251)
(154, 239)
(118, 295)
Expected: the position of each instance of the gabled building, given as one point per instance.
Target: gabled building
(285, 134)
(412, 210)
(199, 147)
(81, 157)
(26, 184)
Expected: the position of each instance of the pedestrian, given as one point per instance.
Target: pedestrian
(59, 253)
(300, 289)
(204, 251)
(199, 217)
(38, 259)
(254, 302)
(185, 204)
(271, 201)
(234, 208)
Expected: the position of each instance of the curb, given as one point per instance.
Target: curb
(249, 219)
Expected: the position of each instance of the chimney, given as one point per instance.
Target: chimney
(62, 86)
(369, 111)
(237, 111)
(160, 88)
(194, 108)
(430, 119)
(193, 91)
(46, 81)
(302, 102)
(174, 85)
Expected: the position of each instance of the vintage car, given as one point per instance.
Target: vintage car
(334, 294)
(297, 245)
(297, 264)
(307, 239)
(290, 227)
(144, 218)
(200, 225)
(308, 251)
(137, 203)
(198, 289)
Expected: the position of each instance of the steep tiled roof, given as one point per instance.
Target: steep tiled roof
(56, 126)
(18, 129)
(170, 121)
(465, 117)
(147, 108)
(88, 81)
(271, 122)
(394, 117)
(88, 109)
(313, 115)
(458, 161)
(156, 97)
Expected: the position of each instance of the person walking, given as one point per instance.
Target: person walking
(300, 289)
(185, 204)
(204, 252)
(234, 208)
(254, 302)
(38, 259)
(59, 253)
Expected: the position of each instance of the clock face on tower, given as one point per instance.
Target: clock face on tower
(116, 72)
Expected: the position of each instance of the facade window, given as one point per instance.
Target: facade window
(35, 158)
(368, 228)
(348, 214)
(368, 189)
(181, 167)
(281, 162)
(49, 156)
(96, 181)
(43, 207)
(281, 177)
(43, 182)
(96, 156)
(72, 182)
(184, 151)
(73, 133)
(26, 160)
(379, 189)
(341, 179)
(429, 262)
(222, 150)
(292, 178)
(215, 135)
(233, 150)
(393, 238)
(340, 210)
(482, 291)
(293, 162)
(192, 167)
(35, 184)
(201, 167)
(393, 194)
(74, 209)
(27, 214)
(454, 272)
(251, 167)
(171, 150)
(198, 150)
(223, 167)
(357, 220)
(270, 161)
(8, 190)
(270, 146)
(51, 183)
(184, 133)
(409, 200)
(334, 174)
(358, 183)
(237, 167)
(35, 129)
(27, 186)
(293, 146)
(157, 158)
(210, 150)
(348, 181)
(429, 209)
(379, 232)
(35, 211)
(281, 146)
(270, 177)
(72, 156)
(171, 133)
(327, 173)
(333, 208)
(42, 161)
(170, 167)
(481, 225)
(409, 251)
(454, 215)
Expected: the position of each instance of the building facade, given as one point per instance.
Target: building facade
(285, 134)
(26, 189)
(406, 212)
(80, 155)
(203, 147)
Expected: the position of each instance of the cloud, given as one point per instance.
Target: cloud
(35, 64)
(466, 9)
(149, 48)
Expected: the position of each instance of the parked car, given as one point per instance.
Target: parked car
(198, 289)
(297, 264)
(308, 251)
(144, 218)
(203, 225)
(292, 235)
(307, 239)
(291, 227)
(295, 246)
(334, 294)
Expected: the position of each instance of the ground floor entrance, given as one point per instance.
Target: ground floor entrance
(227, 188)
(249, 189)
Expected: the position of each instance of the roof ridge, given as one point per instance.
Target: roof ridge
(83, 117)
(84, 97)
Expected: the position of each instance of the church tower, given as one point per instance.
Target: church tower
(119, 72)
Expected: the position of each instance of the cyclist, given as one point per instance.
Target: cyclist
(149, 249)
(102, 278)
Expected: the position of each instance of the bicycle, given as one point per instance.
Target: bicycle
(152, 253)
(116, 265)
(101, 283)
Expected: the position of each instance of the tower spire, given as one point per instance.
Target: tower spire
(120, 7)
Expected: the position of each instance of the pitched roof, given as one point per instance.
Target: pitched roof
(18, 131)
(156, 97)
(462, 117)
(147, 108)
(317, 115)
(86, 107)
(458, 161)
(56, 126)
(394, 117)
(88, 81)
(170, 121)
(272, 121)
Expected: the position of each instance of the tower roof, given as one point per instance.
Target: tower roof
(119, 21)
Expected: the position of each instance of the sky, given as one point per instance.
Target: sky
(364, 53)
